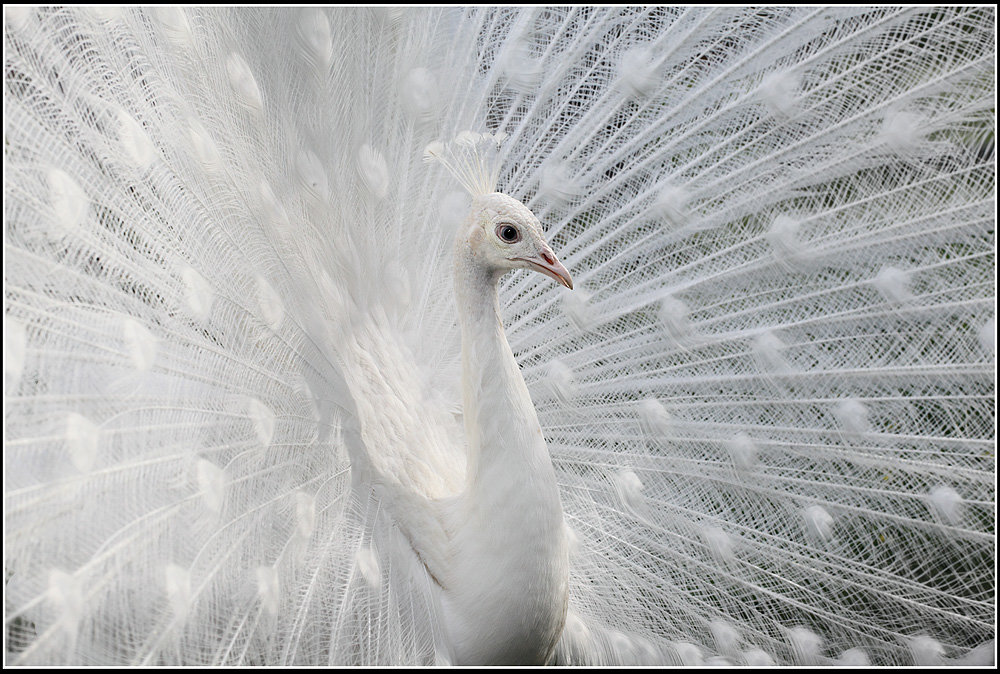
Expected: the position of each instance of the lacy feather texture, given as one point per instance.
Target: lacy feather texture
(271, 396)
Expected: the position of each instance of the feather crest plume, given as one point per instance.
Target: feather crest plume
(473, 158)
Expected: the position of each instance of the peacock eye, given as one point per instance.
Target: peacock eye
(508, 233)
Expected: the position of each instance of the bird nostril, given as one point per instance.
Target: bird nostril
(548, 257)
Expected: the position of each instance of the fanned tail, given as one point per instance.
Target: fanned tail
(770, 399)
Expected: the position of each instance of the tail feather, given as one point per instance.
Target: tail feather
(770, 400)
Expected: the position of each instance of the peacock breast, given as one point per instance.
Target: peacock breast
(509, 591)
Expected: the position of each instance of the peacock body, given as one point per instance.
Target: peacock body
(233, 336)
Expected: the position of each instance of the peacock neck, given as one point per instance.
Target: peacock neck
(503, 436)
(509, 528)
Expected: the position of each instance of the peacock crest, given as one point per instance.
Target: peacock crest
(473, 158)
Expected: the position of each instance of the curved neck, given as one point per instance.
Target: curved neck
(511, 554)
(501, 426)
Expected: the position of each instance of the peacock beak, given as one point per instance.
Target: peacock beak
(547, 264)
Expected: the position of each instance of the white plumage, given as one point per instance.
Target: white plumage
(237, 425)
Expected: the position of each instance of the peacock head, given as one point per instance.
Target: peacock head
(505, 235)
(502, 233)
